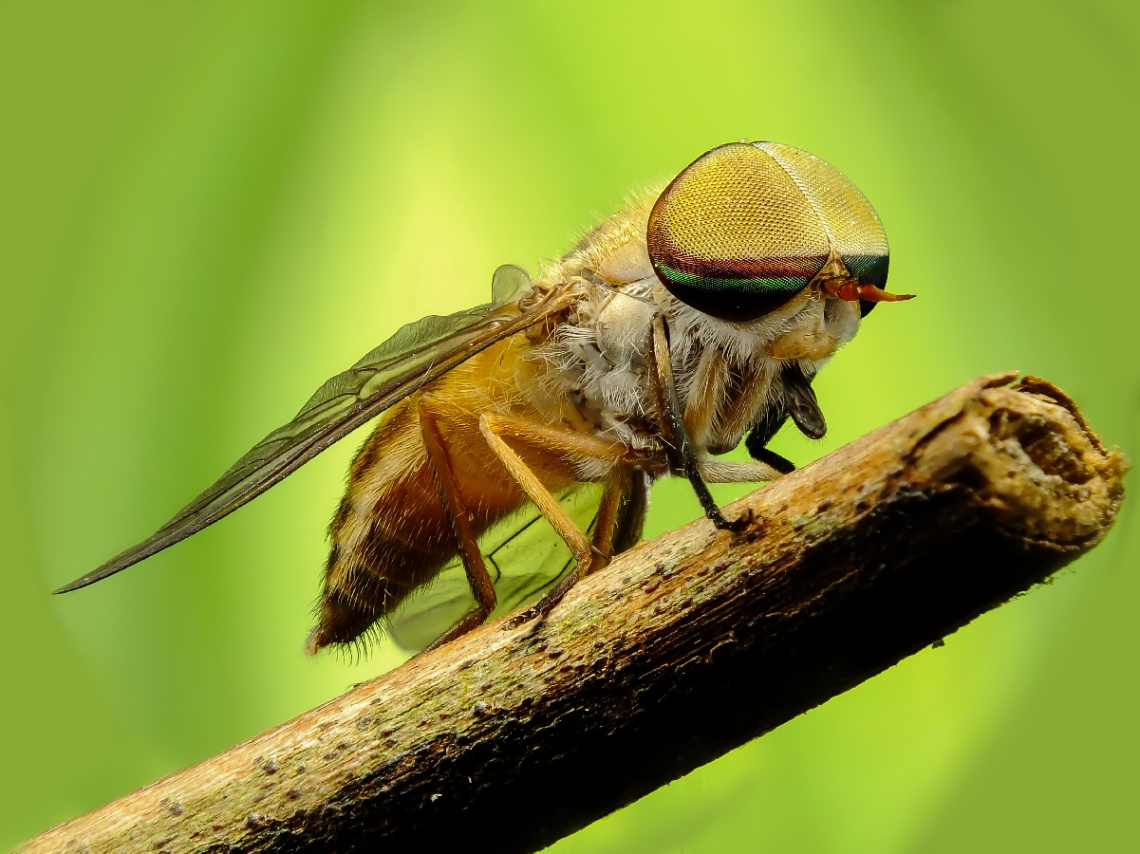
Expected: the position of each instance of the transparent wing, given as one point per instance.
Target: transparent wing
(417, 354)
(524, 555)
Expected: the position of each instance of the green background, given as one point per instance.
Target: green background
(207, 208)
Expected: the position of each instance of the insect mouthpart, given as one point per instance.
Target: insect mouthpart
(852, 290)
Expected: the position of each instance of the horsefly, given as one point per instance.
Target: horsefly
(674, 330)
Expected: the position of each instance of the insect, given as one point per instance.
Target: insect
(674, 330)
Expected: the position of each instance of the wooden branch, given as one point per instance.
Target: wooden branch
(679, 651)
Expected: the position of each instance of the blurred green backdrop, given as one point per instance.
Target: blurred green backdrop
(209, 207)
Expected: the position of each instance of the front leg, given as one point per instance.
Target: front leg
(682, 455)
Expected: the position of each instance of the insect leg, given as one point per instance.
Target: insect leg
(632, 509)
(766, 428)
(761, 434)
(683, 457)
(621, 515)
(703, 400)
(473, 564)
(771, 459)
(729, 471)
(800, 403)
(540, 440)
(625, 471)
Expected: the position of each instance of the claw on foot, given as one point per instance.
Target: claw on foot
(532, 613)
(735, 525)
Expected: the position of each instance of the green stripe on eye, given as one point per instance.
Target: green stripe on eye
(730, 298)
(789, 285)
(870, 269)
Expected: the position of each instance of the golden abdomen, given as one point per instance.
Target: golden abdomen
(391, 533)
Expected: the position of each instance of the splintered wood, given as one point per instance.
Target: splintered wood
(687, 646)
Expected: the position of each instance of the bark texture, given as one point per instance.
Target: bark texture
(680, 650)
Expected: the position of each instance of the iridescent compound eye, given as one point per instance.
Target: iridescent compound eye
(747, 226)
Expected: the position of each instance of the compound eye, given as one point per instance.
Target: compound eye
(747, 226)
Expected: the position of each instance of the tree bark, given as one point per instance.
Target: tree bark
(680, 650)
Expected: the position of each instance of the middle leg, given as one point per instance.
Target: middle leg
(591, 457)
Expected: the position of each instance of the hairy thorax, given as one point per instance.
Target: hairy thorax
(592, 368)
